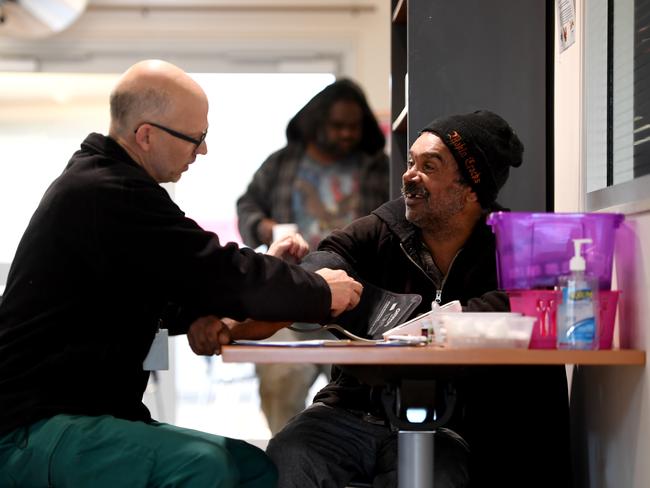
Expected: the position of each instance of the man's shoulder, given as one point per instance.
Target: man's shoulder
(107, 180)
(101, 161)
(378, 157)
(289, 152)
(377, 162)
(383, 222)
(392, 212)
(99, 175)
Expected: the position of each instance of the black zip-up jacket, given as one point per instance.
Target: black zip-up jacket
(513, 417)
(105, 254)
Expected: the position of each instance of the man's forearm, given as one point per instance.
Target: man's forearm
(253, 329)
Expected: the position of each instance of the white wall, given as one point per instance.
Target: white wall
(569, 187)
(610, 405)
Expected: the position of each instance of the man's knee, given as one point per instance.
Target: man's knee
(255, 468)
(451, 460)
(264, 474)
(222, 463)
(208, 464)
(282, 447)
(288, 444)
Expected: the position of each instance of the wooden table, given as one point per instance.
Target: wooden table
(415, 448)
(431, 355)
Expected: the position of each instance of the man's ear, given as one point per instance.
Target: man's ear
(143, 137)
(471, 195)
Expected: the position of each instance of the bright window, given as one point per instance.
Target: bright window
(617, 111)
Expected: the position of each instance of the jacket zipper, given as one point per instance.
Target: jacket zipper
(438, 298)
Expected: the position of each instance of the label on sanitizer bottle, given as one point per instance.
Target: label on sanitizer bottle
(577, 321)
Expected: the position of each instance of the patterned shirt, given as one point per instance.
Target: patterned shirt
(325, 197)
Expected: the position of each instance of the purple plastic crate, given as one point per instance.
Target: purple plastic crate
(534, 249)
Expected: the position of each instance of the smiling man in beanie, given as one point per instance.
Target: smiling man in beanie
(434, 241)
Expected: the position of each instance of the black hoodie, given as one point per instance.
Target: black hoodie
(513, 417)
(104, 254)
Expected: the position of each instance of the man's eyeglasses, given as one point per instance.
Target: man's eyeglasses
(179, 135)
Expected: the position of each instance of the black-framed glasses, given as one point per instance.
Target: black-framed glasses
(179, 135)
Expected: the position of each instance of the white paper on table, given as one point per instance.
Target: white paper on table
(327, 343)
(414, 326)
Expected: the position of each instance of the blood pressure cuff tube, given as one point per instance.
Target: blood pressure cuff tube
(378, 310)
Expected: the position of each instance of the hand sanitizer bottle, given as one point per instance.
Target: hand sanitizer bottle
(577, 319)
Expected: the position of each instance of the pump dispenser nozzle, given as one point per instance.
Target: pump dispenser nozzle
(577, 262)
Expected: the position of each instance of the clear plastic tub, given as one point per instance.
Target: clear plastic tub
(534, 249)
(486, 329)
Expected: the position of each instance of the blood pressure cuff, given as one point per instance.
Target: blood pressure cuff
(378, 311)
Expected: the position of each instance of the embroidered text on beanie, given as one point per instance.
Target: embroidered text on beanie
(484, 146)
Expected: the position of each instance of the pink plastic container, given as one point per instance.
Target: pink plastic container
(534, 249)
(543, 304)
(608, 301)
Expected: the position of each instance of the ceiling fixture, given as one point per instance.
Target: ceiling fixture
(30, 19)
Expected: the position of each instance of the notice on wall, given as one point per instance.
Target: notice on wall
(566, 17)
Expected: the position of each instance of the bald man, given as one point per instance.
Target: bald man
(108, 260)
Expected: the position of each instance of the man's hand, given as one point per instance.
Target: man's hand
(346, 292)
(291, 248)
(207, 334)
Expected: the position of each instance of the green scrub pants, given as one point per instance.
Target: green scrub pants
(78, 452)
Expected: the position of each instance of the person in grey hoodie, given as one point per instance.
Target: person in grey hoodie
(332, 170)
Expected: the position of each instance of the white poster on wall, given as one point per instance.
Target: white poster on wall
(566, 17)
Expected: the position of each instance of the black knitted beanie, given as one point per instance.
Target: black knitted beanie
(484, 146)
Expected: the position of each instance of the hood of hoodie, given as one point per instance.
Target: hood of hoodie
(372, 139)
